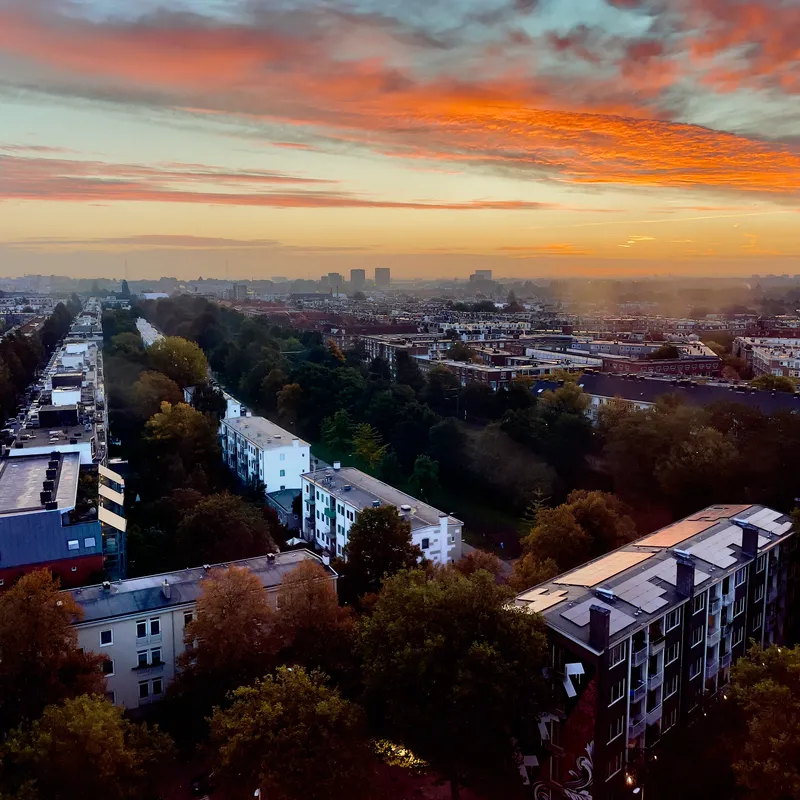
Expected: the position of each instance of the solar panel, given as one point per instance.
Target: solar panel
(603, 569)
(541, 599)
(677, 533)
(717, 549)
(581, 613)
(716, 513)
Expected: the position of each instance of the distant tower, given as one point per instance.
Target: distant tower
(383, 277)
(358, 279)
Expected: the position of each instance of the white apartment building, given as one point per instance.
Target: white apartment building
(769, 356)
(257, 449)
(333, 499)
(138, 624)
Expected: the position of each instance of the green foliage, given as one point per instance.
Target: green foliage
(208, 399)
(40, 662)
(151, 390)
(337, 432)
(424, 481)
(453, 672)
(379, 546)
(665, 352)
(84, 747)
(367, 445)
(774, 383)
(179, 359)
(128, 344)
(291, 736)
(461, 352)
(288, 403)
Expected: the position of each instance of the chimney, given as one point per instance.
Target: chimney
(749, 537)
(684, 581)
(295, 442)
(599, 627)
(166, 589)
(337, 465)
(443, 526)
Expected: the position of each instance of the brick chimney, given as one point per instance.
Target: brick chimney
(684, 582)
(599, 627)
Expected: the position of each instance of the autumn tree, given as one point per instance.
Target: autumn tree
(368, 445)
(453, 672)
(151, 390)
(83, 747)
(379, 546)
(222, 527)
(530, 570)
(314, 630)
(569, 398)
(476, 560)
(179, 359)
(766, 688)
(291, 736)
(40, 662)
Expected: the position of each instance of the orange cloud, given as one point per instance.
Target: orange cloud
(533, 251)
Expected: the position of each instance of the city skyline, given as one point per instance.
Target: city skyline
(532, 137)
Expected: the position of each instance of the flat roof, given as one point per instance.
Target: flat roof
(40, 437)
(21, 482)
(637, 582)
(145, 595)
(263, 432)
(364, 490)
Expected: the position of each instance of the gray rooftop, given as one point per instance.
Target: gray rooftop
(140, 595)
(365, 490)
(641, 576)
(21, 480)
(262, 432)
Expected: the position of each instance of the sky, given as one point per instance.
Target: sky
(256, 138)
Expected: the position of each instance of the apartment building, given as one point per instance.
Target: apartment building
(643, 639)
(259, 450)
(333, 499)
(769, 355)
(138, 624)
(495, 376)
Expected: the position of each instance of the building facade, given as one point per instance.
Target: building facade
(258, 450)
(139, 624)
(383, 277)
(333, 498)
(643, 639)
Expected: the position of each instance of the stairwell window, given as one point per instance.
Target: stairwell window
(617, 692)
(673, 620)
(618, 654)
(741, 576)
(698, 634)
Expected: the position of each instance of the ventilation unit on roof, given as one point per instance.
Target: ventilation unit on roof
(376, 503)
(605, 594)
(405, 508)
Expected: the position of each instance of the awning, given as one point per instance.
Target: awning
(112, 495)
(110, 518)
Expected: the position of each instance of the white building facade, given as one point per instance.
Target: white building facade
(333, 498)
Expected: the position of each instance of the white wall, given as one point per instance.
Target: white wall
(66, 397)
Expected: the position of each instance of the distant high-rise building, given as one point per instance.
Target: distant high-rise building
(383, 277)
(358, 278)
(239, 291)
(481, 275)
(335, 281)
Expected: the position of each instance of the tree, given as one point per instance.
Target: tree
(529, 570)
(774, 383)
(315, 631)
(222, 527)
(442, 389)
(291, 736)
(453, 672)
(289, 399)
(513, 306)
(128, 344)
(84, 747)
(407, 371)
(424, 480)
(337, 432)
(335, 351)
(125, 290)
(460, 351)
(567, 399)
(558, 536)
(476, 560)
(766, 689)
(447, 443)
(208, 399)
(367, 445)
(40, 662)
(663, 353)
(179, 359)
(379, 546)
(152, 389)
(359, 297)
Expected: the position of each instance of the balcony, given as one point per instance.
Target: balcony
(149, 669)
(654, 681)
(655, 715)
(638, 692)
(713, 637)
(639, 657)
(772, 594)
(726, 660)
(728, 598)
(714, 606)
(637, 727)
(712, 668)
(657, 646)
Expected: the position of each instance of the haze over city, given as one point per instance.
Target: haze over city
(533, 137)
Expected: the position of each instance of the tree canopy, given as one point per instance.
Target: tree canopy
(179, 359)
(151, 390)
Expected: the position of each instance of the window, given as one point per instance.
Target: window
(672, 653)
(671, 687)
(426, 543)
(699, 603)
(696, 668)
(673, 619)
(698, 634)
(282, 457)
(615, 765)
(618, 654)
(144, 690)
(106, 638)
(89, 541)
(141, 659)
(111, 697)
(758, 621)
(670, 720)
(738, 606)
(761, 563)
(759, 592)
(155, 626)
(188, 616)
(108, 667)
(615, 728)
(738, 635)
(141, 628)
(158, 686)
(73, 544)
(155, 655)
(283, 473)
(741, 576)
(617, 692)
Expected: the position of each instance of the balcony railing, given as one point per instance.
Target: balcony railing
(712, 667)
(713, 637)
(638, 692)
(726, 660)
(639, 657)
(637, 727)
(655, 715)
(654, 681)
(657, 646)
(728, 598)
(714, 606)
